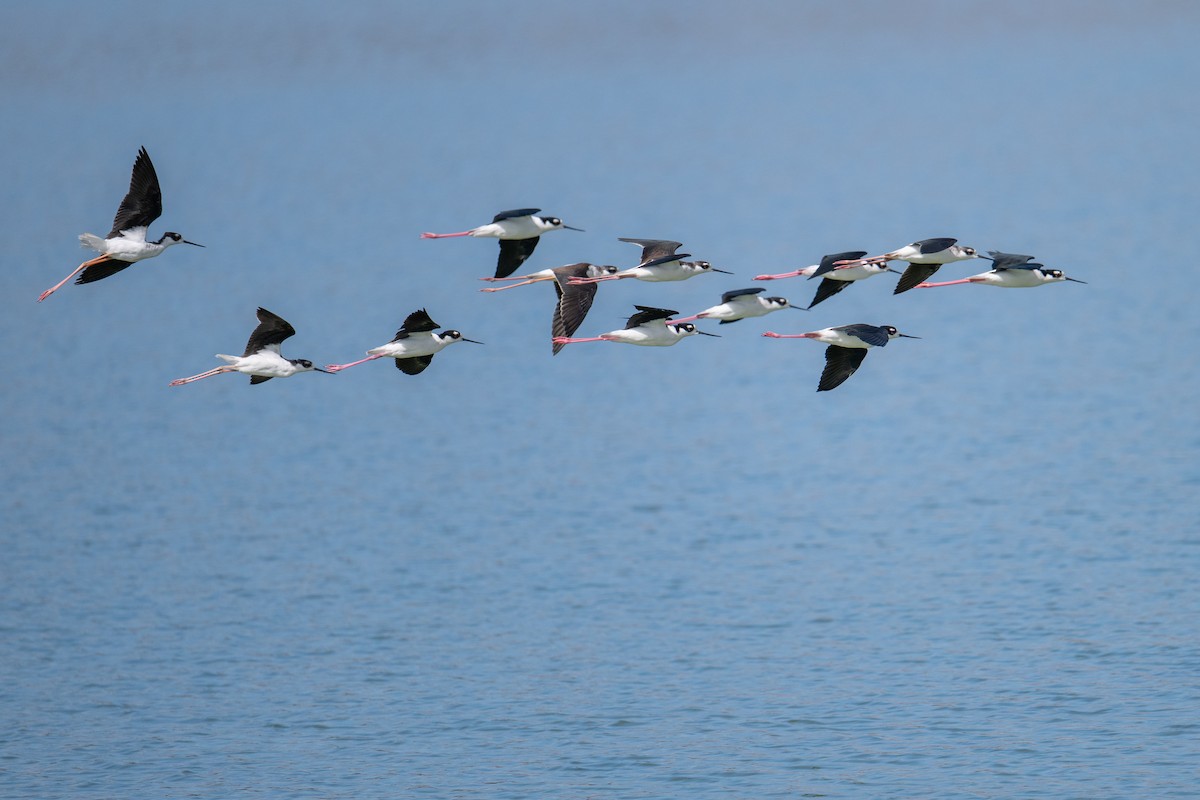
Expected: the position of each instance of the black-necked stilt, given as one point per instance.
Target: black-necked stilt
(518, 231)
(574, 299)
(413, 347)
(924, 258)
(848, 345)
(740, 304)
(659, 263)
(1011, 271)
(833, 278)
(262, 360)
(648, 327)
(126, 242)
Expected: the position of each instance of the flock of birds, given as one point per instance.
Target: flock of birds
(518, 230)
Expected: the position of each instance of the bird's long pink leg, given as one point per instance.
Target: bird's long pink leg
(340, 367)
(579, 281)
(792, 274)
(773, 335)
(444, 235)
(510, 278)
(78, 269)
(510, 286)
(209, 374)
(944, 283)
(692, 318)
(569, 340)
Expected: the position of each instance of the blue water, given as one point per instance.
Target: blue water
(621, 572)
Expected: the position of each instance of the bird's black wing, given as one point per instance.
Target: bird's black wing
(1009, 260)
(840, 364)
(916, 273)
(102, 270)
(927, 246)
(725, 298)
(658, 250)
(257, 379)
(513, 253)
(828, 261)
(828, 288)
(874, 335)
(414, 365)
(515, 212)
(417, 322)
(143, 204)
(648, 314)
(272, 329)
(574, 302)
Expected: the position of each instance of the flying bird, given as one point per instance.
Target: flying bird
(1011, 271)
(659, 263)
(413, 346)
(126, 242)
(924, 258)
(833, 278)
(649, 327)
(518, 231)
(848, 346)
(262, 360)
(740, 304)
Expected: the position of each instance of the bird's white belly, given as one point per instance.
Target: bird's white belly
(520, 228)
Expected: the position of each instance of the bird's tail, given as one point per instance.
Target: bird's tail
(92, 241)
(227, 359)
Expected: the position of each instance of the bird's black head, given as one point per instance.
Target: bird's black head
(969, 251)
(685, 327)
(173, 236)
(1057, 274)
(891, 332)
(451, 334)
(779, 301)
(555, 221)
(304, 362)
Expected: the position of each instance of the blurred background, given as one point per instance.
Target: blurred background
(620, 571)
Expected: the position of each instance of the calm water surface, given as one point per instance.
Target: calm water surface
(621, 572)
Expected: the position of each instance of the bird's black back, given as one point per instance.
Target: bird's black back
(515, 212)
(725, 298)
(927, 246)
(1010, 260)
(658, 250)
(272, 329)
(648, 314)
(417, 322)
(828, 261)
(874, 335)
(143, 203)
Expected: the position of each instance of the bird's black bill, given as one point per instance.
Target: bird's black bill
(193, 244)
(907, 336)
(1074, 280)
(722, 271)
(472, 341)
(568, 227)
(318, 369)
(894, 271)
(714, 335)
